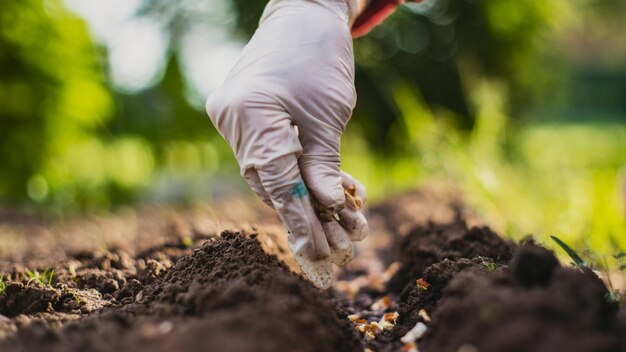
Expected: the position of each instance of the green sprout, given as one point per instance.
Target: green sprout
(43, 279)
(489, 264)
(621, 257)
(187, 242)
(76, 298)
(613, 296)
(577, 260)
(3, 285)
(72, 271)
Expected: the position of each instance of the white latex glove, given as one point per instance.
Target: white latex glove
(297, 70)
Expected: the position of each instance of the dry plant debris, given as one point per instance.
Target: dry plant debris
(370, 329)
(422, 284)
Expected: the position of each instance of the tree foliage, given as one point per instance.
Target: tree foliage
(69, 139)
(443, 48)
(53, 100)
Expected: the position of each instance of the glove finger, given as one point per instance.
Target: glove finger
(281, 180)
(341, 246)
(351, 217)
(253, 180)
(323, 179)
(354, 222)
(319, 164)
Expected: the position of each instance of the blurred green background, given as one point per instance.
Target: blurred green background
(520, 104)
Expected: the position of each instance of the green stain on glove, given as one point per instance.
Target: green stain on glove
(299, 189)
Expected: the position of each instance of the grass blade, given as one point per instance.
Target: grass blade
(578, 261)
(3, 286)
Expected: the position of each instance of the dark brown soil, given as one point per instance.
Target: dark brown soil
(236, 284)
(534, 305)
(436, 253)
(427, 245)
(183, 287)
(228, 295)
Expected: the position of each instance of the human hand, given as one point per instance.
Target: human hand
(283, 109)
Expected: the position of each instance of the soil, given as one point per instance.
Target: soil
(227, 295)
(533, 305)
(431, 244)
(179, 282)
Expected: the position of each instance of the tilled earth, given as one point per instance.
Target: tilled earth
(428, 278)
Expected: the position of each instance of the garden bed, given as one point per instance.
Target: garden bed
(424, 279)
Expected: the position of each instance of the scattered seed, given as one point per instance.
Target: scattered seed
(424, 315)
(354, 317)
(422, 284)
(409, 347)
(382, 303)
(165, 327)
(414, 334)
(391, 317)
(369, 330)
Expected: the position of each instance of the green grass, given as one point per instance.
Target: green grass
(621, 260)
(3, 285)
(614, 295)
(577, 261)
(522, 178)
(41, 279)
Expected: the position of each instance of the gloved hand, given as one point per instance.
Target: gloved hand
(283, 109)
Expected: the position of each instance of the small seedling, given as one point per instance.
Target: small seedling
(187, 242)
(3, 286)
(76, 298)
(42, 279)
(72, 271)
(613, 296)
(577, 260)
(621, 258)
(489, 264)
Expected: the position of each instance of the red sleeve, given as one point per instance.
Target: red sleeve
(373, 15)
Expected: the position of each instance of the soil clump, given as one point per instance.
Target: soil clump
(227, 295)
(535, 304)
